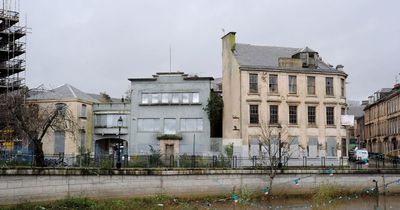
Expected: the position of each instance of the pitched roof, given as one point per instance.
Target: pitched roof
(66, 91)
(257, 56)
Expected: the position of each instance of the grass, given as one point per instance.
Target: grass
(160, 201)
(329, 191)
(325, 192)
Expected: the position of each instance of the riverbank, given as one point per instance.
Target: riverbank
(221, 202)
(36, 185)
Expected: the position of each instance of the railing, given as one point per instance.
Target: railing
(9, 14)
(111, 107)
(161, 161)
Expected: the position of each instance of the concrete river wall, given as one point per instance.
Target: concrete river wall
(21, 185)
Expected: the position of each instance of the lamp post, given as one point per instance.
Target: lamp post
(279, 146)
(119, 124)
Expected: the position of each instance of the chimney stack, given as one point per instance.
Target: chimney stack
(339, 67)
(230, 38)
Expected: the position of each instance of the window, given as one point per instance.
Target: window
(342, 86)
(329, 86)
(191, 124)
(343, 111)
(165, 98)
(185, 98)
(175, 98)
(196, 98)
(154, 98)
(312, 147)
(253, 114)
(293, 114)
(330, 116)
(149, 124)
(311, 85)
(83, 110)
(331, 146)
(253, 83)
(145, 98)
(110, 120)
(292, 84)
(273, 114)
(273, 83)
(311, 115)
(169, 126)
(59, 142)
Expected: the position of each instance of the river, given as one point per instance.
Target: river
(346, 203)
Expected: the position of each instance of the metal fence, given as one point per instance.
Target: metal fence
(185, 161)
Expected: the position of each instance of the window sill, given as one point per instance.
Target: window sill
(273, 93)
(293, 125)
(312, 96)
(330, 96)
(254, 125)
(254, 94)
(330, 126)
(292, 95)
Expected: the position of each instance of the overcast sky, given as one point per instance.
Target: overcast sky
(96, 45)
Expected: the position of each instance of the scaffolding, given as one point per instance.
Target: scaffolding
(12, 47)
(12, 62)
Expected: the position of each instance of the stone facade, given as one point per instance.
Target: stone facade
(79, 107)
(167, 112)
(106, 131)
(382, 122)
(256, 79)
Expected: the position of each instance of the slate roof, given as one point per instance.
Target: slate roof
(357, 111)
(63, 92)
(256, 56)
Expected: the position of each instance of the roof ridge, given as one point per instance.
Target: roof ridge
(72, 91)
(298, 48)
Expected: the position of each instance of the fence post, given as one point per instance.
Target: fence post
(383, 161)
(193, 161)
(254, 161)
(171, 161)
(214, 161)
(235, 161)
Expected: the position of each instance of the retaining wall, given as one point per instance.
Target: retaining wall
(21, 185)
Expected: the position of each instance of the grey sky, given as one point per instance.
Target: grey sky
(96, 45)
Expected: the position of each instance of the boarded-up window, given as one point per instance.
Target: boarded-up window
(292, 84)
(59, 142)
(254, 145)
(294, 146)
(331, 146)
(312, 147)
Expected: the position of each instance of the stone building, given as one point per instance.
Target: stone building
(79, 104)
(382, 121)
(107, 133)
(291, 90)
(167, 113)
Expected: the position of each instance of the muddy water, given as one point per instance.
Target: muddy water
(346, 203)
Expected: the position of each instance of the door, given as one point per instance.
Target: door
(169, 150)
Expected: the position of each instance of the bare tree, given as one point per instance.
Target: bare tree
(276, 149)
(31, 121)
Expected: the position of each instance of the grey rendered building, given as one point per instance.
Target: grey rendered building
(167, 112)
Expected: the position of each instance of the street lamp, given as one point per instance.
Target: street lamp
(119, 124)
(279, 146)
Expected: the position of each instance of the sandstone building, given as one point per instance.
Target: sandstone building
(291, 90)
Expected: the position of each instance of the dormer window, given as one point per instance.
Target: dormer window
(308, 57)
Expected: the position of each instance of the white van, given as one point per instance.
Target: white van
(361, 155)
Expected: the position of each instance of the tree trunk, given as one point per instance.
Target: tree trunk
(39, 155)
